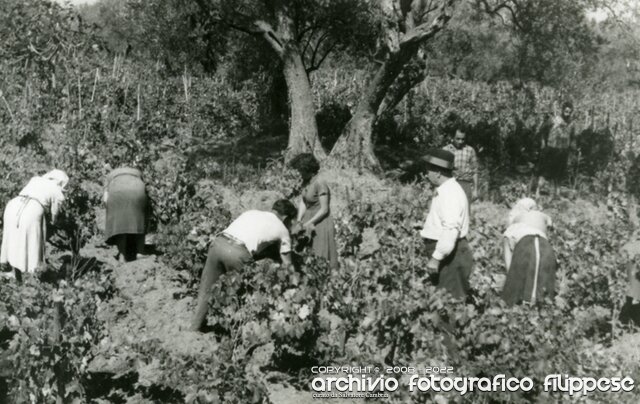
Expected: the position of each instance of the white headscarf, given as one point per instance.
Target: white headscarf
(522, 206)
(526, 219)
(58, 176)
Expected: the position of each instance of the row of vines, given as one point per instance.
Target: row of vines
(81, 109)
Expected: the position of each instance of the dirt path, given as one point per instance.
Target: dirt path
(151, 305)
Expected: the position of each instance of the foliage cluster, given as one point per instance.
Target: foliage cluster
(48, 335)
(381, 308)
(79, 108)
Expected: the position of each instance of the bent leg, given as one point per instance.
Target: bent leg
(120, 241)
(212, 270)
(133, 246)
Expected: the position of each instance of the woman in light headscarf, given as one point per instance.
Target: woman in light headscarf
(528, 256)
(25, 220)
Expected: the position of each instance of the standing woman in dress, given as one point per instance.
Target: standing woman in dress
(314, 212)
(25, 220)
(127, 212)
(529, 258)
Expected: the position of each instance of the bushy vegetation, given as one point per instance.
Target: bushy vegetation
(73, 102)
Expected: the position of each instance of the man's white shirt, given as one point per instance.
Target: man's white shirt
(448, 218)
(259, 229)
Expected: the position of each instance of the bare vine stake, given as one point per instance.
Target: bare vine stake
(8, 107)
(115, 63)
(185, 84)
(126, 88)
(79, 99)
(138, 107)
(95, 82)
(25, 94)
(68, 97)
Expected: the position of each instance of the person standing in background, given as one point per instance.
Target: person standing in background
(554, 155)
(465, 164)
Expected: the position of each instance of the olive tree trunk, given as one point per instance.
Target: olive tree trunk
(390, 82)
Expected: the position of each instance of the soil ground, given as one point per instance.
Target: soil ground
(151, 305)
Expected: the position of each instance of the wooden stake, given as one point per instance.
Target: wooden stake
(185, 84)
(79, 98)
(8, 107)
(138, 106)
(95, 82)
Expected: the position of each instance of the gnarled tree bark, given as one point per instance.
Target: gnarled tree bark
(303, 129)
(279, 33)
(388, 85)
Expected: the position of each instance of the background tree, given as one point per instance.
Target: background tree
(553, 41)
(406, 26)
(302, 34)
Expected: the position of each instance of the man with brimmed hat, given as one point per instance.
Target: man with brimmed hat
(447, 225)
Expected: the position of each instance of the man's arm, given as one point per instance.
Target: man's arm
(474, 166)
(286, 260)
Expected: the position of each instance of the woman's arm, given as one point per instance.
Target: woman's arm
(507, 253)
(56, 205)
(322, 212)
(301, 209)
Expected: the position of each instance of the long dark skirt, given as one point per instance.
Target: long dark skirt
(127, 207)
(553, 163)
(129, 245)
(455, 269)
(630, 312)
(532, 273)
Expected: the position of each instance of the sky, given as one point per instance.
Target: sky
(78, 2)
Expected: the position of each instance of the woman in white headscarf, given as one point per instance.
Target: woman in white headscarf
(26, 217)
(529, 258)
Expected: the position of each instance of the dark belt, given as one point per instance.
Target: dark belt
(430, 240)
(235, 241)
(232, 240)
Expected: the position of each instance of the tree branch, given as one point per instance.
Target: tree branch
(413, 73)
(503, 6)
(425, 31)
(311, 27)
(317, 47)
(270, 36)
(316, 66)
(306, 45)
